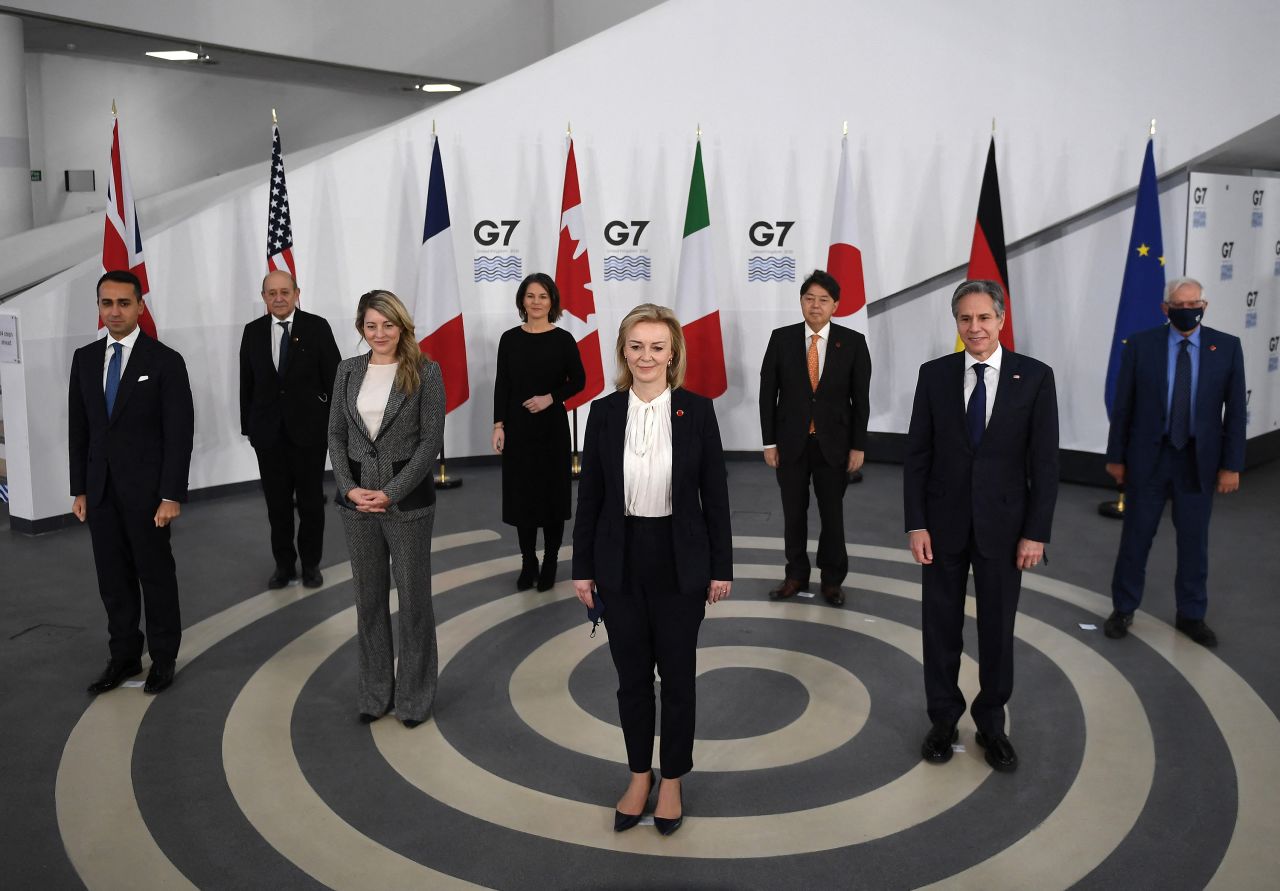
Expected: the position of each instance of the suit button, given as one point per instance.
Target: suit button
(282, 392)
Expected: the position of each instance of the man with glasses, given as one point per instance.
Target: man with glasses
(1177, 433)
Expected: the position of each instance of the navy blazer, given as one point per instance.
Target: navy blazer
(146, 443)
(839, 408)
(1005, 489)
(1140, 410)
(294, 405)
(699, 495)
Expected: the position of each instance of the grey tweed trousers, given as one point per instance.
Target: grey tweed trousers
(379, 548)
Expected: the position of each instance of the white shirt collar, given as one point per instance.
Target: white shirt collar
(288, 318)
(127, 341)
(993, 361)
(824, 332)
(659, 401)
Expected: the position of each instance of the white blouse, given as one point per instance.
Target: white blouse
(646, 456)
(375, 390)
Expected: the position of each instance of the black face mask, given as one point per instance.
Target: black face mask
(1184, 319)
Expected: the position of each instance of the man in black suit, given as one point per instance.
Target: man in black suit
(814, 404)
(980, 482)
(131, 425)
(288, 359)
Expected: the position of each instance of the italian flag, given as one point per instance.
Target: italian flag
(695, 303)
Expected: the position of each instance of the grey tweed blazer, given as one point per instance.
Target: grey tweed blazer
(400, 459)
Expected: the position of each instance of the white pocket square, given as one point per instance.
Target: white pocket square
(143, 377)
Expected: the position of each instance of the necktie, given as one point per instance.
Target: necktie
(976, 414)
(1180, 408)
(813, 369)
(113, 377)
(284, 345)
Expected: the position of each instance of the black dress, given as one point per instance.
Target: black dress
(536, 455)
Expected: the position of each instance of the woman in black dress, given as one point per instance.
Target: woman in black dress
(538, 369)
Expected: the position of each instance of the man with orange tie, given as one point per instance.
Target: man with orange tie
(814, 403)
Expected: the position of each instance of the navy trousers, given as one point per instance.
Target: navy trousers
(1175, 479)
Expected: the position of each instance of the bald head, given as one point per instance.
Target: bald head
(280, 293)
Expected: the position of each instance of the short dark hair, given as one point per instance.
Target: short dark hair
(539, 278)
(120, 276)
(824, 280)
(980, 286)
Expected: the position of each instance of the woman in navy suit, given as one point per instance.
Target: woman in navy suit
(652, 540)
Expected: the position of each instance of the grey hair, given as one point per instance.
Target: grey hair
(1176, 283)
(980, 286)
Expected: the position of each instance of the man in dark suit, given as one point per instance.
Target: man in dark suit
(814, 403)
(1177, 433)
(980, 482)
(288, 359)
(131, 425)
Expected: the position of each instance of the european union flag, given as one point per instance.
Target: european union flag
(1143, 289)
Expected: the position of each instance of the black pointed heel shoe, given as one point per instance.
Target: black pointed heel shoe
(667, 826)
(622, 822)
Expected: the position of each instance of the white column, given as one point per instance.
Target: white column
(15, 149)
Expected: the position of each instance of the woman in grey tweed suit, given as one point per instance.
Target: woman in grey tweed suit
(386, 428)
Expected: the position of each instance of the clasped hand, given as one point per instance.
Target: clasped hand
(369, 501)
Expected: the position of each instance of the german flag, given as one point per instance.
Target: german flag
(987, 256)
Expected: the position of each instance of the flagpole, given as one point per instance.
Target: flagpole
(443, 480)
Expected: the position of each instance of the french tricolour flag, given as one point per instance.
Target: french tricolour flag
(439, 306)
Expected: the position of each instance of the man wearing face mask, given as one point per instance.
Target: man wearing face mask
(1177, 433)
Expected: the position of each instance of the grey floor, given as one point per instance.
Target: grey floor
(1204, 798)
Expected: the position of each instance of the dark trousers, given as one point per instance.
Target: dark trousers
(294, 474)
(652, 623)
(829, 483)
(1175, 478)
(135, 566)
(997, 583)
(552, 536)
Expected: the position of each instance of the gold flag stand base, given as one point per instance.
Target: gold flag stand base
(576, 468)
(444, 481)
(1113, 509)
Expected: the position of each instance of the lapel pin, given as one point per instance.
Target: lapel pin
(837, 344)
(679, 412)
(1017, 377)
(1212, 347)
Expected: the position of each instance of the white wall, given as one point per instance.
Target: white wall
(576, 20)
(919, 119)
(178, 125)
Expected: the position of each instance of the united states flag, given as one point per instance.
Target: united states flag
(279, 225)
(122, 239)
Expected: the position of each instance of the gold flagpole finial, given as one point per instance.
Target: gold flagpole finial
(433, 126)
(846, 129)
(274, 120)
(568, 129)
(993, 126)
(699, 134)
(113, 108)
(1152, 131)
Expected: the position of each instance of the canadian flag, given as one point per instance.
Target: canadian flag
(439, 307)
(844, 258)
(122, 240)
(695, 303)
(573, 279)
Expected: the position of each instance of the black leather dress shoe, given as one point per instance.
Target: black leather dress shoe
(833, 594)
(936, 748)
(160, 678)
(788, 589)
(115, 674)
(547, 575)
(281, 577)
(312, 578)
(366, 718)
(1117, 624)
(622, 822)
(1000, 753)
(1197, 630)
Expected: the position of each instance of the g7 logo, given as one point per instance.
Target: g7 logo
(616, 232)
(761, 232)
(486, 232)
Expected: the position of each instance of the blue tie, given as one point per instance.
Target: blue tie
(976, 414)
(284, 345)
(113, 377)
(1180, 408)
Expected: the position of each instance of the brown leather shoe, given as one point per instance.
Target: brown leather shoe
(833, 594)
(788, 589)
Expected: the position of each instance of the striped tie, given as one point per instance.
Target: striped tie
(813, 371)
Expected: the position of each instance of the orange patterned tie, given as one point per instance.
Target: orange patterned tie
(813, 370)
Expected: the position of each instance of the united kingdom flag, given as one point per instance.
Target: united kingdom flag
(279, 224)
(122, 239)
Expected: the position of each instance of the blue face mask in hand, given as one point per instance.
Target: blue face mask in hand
(1185, 319)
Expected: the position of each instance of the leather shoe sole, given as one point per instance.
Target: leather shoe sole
(1117, 624)
(936, 748)
(788, 589)
(999, 752)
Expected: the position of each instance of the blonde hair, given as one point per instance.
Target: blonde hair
(408, 353)
(651, 312)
